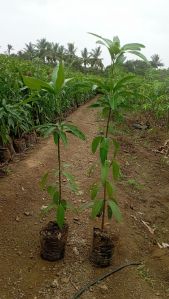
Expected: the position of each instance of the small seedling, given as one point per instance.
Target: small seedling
(113, 97)
(60, 130)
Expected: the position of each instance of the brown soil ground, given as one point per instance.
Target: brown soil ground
(143, 195)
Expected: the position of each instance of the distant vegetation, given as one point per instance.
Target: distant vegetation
(90, 60)
(22, 110)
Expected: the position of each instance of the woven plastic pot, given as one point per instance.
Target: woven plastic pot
(102, 248)
(53, 241)
(5, 155)
(19, 145)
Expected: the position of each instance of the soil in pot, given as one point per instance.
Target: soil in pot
(53, 241)
(3, 173)
(5, 155)
(30, 139)
(11, 148)
(19, 145)
(102, 248)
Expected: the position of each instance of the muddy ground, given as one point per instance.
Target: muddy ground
(143, 196)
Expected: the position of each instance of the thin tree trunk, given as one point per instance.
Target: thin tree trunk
(59, 162)
(104, 196)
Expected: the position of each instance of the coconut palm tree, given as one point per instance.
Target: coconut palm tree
(85, 57)
(55, 56)
(29, 51)
(155, 61)
(61, 52)
(48, 52)
(71, 50)
(9, 49)
(95, 60)
(20, 53)
(70, 53)
(41, 47)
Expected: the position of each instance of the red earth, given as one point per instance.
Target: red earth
(143, 196)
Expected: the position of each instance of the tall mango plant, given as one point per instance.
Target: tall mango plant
(113, 93)
(54, 235)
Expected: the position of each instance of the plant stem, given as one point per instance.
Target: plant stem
(59, 154)
(59, 162)
(104, 196)
(108, 121)
(106, 134)
(104, 208)
(112, 69)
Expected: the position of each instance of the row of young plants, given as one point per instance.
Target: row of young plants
(156, 102)
(21, 111)
(151, 96)
(114, 92)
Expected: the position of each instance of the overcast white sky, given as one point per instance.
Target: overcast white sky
(144, 21)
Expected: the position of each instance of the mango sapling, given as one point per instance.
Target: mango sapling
(53, 236)
(113, 93)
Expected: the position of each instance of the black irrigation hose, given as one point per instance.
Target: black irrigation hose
(100, 278)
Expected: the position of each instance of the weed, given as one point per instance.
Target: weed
(133, 183)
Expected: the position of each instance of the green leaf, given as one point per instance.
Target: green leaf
(60, 216)
(95, 143)
(97, 207)
(59, 76)
(105, 171)
(120, 58)
(54, 75)
(115, 210)
(47, 129)
(71, 180)
(51, 190)
(55, 137)
(63, 137)
(110, 189)
(37, 84)
(97, 82)
(116, 170)
(67, 80)
(64, 204)
(99, 42)
(103, 154)
(86, 205)
(105, 41)
(132, 46)
(56, 197)
(112, 103)
(116, 147)
(109, 212)
(43, 180)
(95, 105)
(121, 82)
(74, 130)
(104, 147)
(93, 191)
(139, 55)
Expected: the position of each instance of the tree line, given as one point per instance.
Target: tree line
(51, 53)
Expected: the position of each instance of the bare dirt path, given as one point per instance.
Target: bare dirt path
(143, 194)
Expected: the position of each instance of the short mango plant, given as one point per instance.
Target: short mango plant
(113, 93)
(54, 235)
